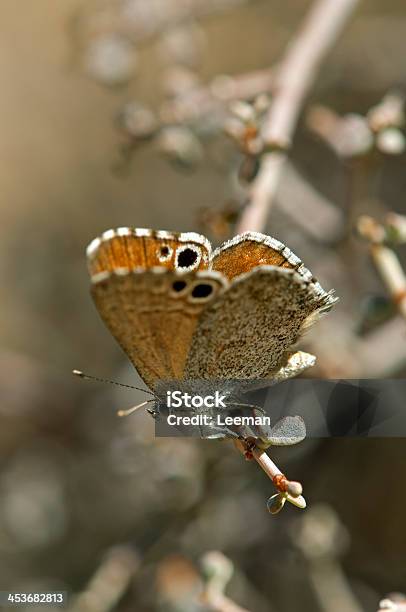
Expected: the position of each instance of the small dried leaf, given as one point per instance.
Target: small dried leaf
(276, 503)
(289, 430)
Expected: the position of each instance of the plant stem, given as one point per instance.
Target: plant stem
(295, 76)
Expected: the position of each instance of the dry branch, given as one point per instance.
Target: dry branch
(213, 97)
(392, 274)
(384, 258)
(395, 602)
(109, 583)
(219, 570)
(296, 74)
(331, 587)
(273, 472)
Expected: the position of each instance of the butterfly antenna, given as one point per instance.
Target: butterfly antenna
(111, 382)
(123, 413)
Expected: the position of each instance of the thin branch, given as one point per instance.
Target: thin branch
(331, 587)
(385, 259)
(392, 273)
(322, 540)
(395, 602)
(109, 583)
(296, 75)
(218, 602)
(214, 97)
(219, 571)
(291, 489)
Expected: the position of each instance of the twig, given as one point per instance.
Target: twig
(291, 489)
(295, 76)
(109, 583)
(213, 97)
(396, 224)
(385, 260)
(218, 570)
(349, 136)
(331, 587)
(395, 602)
(218, 602)
(392, 274)
(322, 539)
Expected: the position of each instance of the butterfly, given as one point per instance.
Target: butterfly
(181, 311)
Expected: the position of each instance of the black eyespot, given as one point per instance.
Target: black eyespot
(178, 285)
(202, 290)
(164, 251)
(187, 258)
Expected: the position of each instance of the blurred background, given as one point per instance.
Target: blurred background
(117, 113)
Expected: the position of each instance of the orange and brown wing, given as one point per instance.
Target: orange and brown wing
(250, 250)
(132, 248)
(149, 288)
(153, 314)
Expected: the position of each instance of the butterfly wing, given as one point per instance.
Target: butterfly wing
(293, 365)
(249, 250)
(289, 430)
(252, 249)
(152, 311)
(132, 248)
(292, 300)
(246, 332)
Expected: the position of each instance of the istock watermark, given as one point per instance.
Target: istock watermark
(180, 399)
(176, 399)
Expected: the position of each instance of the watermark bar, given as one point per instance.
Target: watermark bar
(328, 408)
